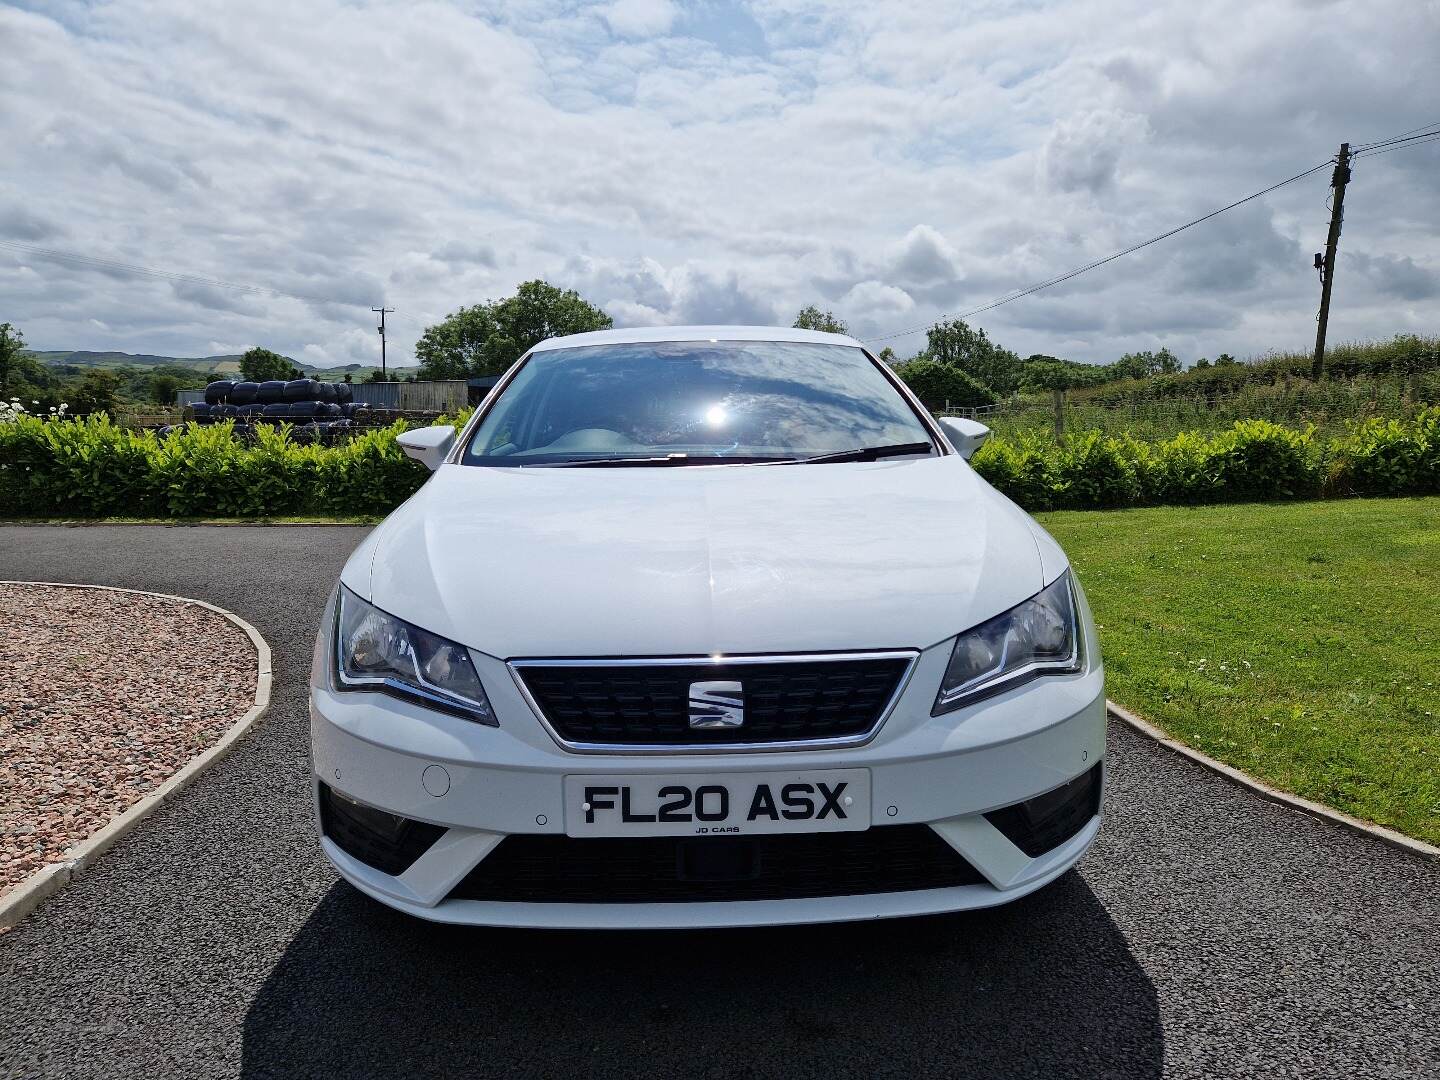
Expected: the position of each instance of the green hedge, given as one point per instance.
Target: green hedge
(1254, 460)
(91, 468)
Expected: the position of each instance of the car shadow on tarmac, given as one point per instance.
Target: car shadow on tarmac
(1043, 987)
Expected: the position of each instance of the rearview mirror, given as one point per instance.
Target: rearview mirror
(965, 435)
(428, 445)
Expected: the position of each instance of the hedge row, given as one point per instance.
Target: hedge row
(90, 468)
(1255, 460)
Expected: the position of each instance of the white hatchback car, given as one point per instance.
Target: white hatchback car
(704, 626)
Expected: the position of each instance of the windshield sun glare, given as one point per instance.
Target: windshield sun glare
(694, 402)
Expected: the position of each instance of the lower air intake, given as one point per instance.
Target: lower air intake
(666, 869)
(387, 842)
(1045, 822)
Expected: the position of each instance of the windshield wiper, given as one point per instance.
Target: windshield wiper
(871, 453)
(668, 459)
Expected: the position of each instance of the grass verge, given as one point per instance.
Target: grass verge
(1299, 642)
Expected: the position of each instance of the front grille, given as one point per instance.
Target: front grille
(648, 703)
(387, 842)
(670, 869)
(1045, 822)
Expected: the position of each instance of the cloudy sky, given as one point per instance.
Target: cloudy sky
(693, 161)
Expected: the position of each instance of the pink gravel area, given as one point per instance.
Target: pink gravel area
(103, 696)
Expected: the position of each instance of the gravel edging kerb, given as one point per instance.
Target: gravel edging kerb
(1265, 791)
(48, 880)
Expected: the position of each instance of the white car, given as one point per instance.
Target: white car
(704, 626)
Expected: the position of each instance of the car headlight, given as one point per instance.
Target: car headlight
(376, 651)
(1038, 637)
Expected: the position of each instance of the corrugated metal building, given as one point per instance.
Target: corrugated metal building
(437, 397)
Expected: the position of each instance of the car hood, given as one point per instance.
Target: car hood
(684, 561)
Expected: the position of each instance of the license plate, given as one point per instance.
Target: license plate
(718, 804)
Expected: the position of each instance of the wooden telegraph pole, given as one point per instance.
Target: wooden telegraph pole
(382, 312)
(1326, 263)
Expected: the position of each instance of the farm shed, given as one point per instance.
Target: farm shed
(441, 396)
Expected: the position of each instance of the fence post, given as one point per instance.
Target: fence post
(1059, 398)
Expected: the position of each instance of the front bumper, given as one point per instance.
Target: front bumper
(480, 785)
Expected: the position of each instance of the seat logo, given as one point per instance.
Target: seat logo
(717, 705)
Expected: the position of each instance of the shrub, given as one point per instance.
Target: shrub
(1018, 469)
(1388, 457)
(91, 468)
(1253, 460)
(1092, 470)
(940, 385)
(1177, 470)
(1259, 460)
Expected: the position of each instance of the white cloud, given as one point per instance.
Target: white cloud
(1083, 152)
(875, 299)
(639, 18)
(924, 257)
(707, 164)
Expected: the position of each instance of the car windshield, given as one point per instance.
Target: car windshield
(695, 402)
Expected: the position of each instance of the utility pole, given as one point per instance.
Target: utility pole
(1326, 263)
(381, 311)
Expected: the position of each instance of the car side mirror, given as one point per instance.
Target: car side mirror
(964, 434)
(428, 445)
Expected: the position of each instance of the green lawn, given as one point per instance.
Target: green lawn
(1299, 642)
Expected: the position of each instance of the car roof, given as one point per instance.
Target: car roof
(633, 334)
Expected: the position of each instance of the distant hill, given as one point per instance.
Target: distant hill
(228, 365)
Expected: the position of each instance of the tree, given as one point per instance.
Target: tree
(12, 352)
(23, 376)
(162, 388)
(1143, 365)
(887, 356)
(812, 318)
(1040, 372)
(958, 345)
(262, 365)
(1167, 363)
(939, 385)
(487, 338)
(98, 392)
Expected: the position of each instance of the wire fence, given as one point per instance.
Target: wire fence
(165, 421)
(1330, 408)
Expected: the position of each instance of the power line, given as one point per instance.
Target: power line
(1108, 259)
(97, 263)
(1396, 138)
(1408, 144)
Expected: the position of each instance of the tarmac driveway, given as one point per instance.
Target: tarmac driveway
(1208, 933)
